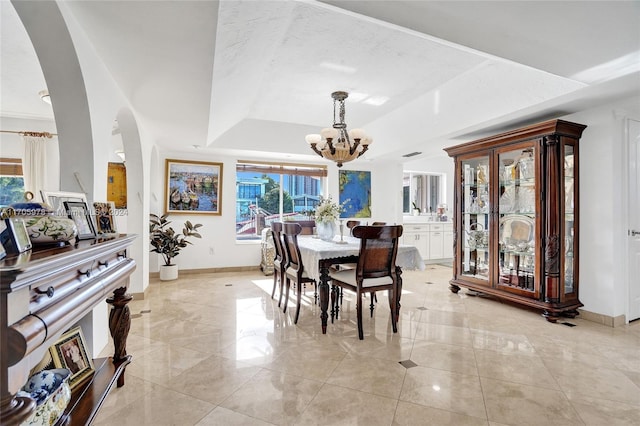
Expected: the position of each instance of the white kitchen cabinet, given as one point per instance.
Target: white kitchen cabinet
(417, 235)
(434, 240)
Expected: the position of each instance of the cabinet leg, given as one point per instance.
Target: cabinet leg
(551, 316)
(454, 288)
(571, 314)
(119, 323)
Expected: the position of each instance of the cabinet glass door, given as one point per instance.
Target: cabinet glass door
(475, 218)
(569, 204)
(516, 216)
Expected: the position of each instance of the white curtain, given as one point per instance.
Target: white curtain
(34, 164)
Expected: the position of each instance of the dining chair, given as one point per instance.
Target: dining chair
(378, 223)
(280, 260)
(295, 269)
(376, 269)
(352, 224)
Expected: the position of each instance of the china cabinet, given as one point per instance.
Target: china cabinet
(516, 217)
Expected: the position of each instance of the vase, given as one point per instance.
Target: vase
(325, 230)
(168, 272)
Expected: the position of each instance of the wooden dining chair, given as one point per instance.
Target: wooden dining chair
(378, 223)
(295, 269)
(280, 260)
(376, 269)
(352, 224)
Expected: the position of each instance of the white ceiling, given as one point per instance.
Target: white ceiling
(257, 75)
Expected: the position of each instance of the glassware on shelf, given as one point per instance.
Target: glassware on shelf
(526, 166)
(483, 174)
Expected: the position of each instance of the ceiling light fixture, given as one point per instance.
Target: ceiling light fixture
(44, 95)
(338, 144)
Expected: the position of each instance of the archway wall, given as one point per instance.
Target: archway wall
(52, 42)
(86, 100)
(106, 102)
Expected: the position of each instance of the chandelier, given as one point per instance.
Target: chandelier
(338, 144)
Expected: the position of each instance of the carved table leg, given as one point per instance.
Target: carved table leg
(119, 324)
(324, 296)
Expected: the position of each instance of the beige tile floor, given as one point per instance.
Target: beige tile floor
(215, 349)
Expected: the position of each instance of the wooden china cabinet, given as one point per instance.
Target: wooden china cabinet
(516, 217)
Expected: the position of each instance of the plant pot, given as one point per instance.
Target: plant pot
(168, 272)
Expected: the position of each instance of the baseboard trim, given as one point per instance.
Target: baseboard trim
(210, 270)
(607, 320)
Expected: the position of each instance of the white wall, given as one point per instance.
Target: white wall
(603, 282)
(218, 232)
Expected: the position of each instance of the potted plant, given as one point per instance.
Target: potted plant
(168, 243)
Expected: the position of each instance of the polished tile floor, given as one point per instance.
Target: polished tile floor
(215, 349)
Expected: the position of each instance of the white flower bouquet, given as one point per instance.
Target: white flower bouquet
(328, 211)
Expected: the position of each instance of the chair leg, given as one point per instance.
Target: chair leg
(371, 306)
(315, 293)
(394, 309)
(281, 275)
(299, 302)
(286, 296)
(359, 313)
(275, 282)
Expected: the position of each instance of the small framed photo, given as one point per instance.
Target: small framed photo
(56, 199)
(193, 187)
(78, 212)
(14, 235)
(104, 211)
(70, 352)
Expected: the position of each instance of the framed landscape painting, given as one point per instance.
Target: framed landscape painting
(355, 192)
(193, 187)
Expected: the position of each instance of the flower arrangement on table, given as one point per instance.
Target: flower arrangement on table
(328, 211)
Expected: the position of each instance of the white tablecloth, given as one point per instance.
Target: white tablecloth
(312, 250)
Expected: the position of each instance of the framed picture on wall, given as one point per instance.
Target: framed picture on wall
(78, 212)
(70, 352)
(193, 187)
(104, 211)
(355, 193)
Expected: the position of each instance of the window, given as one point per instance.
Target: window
(422, 190)
(11, 181)
(267, 192)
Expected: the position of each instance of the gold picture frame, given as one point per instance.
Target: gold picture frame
(70, 352)
(193, 187)
(104, 214)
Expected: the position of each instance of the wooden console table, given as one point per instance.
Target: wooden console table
(45, 291)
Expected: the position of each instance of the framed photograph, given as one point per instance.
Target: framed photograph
(78, 212)
(70, 352)
(104, 211)
(14, 236)
(193, 187)
(56, 200)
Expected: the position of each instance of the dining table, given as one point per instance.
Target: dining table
(318, 256)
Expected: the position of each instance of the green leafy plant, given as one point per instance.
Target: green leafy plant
(165, 240)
